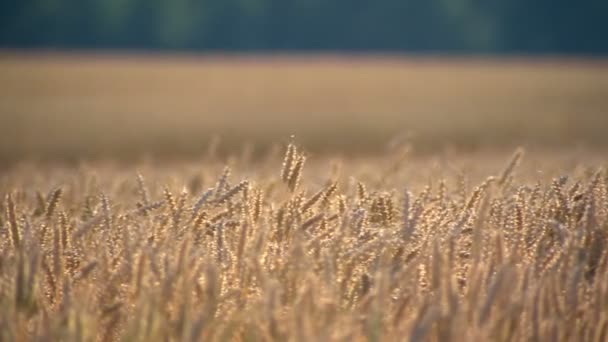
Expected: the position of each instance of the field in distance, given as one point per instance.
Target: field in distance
(58, 106)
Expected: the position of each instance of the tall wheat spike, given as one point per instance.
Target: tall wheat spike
(12, 220)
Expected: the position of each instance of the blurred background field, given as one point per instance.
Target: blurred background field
(170, 78)
(58, 105)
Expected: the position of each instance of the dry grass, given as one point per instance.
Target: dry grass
(58, 105)
(451, 247)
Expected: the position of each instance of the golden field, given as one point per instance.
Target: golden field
(149, 198)
(90, 105)
(447, 247)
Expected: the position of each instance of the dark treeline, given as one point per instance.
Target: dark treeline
(459, 26)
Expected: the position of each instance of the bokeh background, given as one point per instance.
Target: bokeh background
(170, 78)
(542, 26)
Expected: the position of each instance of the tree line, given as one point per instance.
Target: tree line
(453, 26)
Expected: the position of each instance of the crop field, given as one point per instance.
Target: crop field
(156, 199)
(122, 106)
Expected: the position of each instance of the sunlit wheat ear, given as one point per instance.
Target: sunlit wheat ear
(179, 208)
(12, 220)
(442, 192)
(388, 210)
(407, 228)
(328, 194)
(561, 208)
(53, 201)
(65, 230)
(144, 210)
(199, 220)
(106, 209)
(143, 190)
(57, 253)
(478, 193)
(222, 183)
(220, 216)
(508, 170)
(312, 221)
(51, 281)
(232, 192)
(170, 200)
(296, 173)
(361, 192)
(312, 200)
(288, 161)
(257, 205)
(205, 198)
(240, 250)
(462, 186)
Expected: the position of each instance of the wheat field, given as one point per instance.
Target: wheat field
(70, 106)
(294, 247)
(148, 198)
